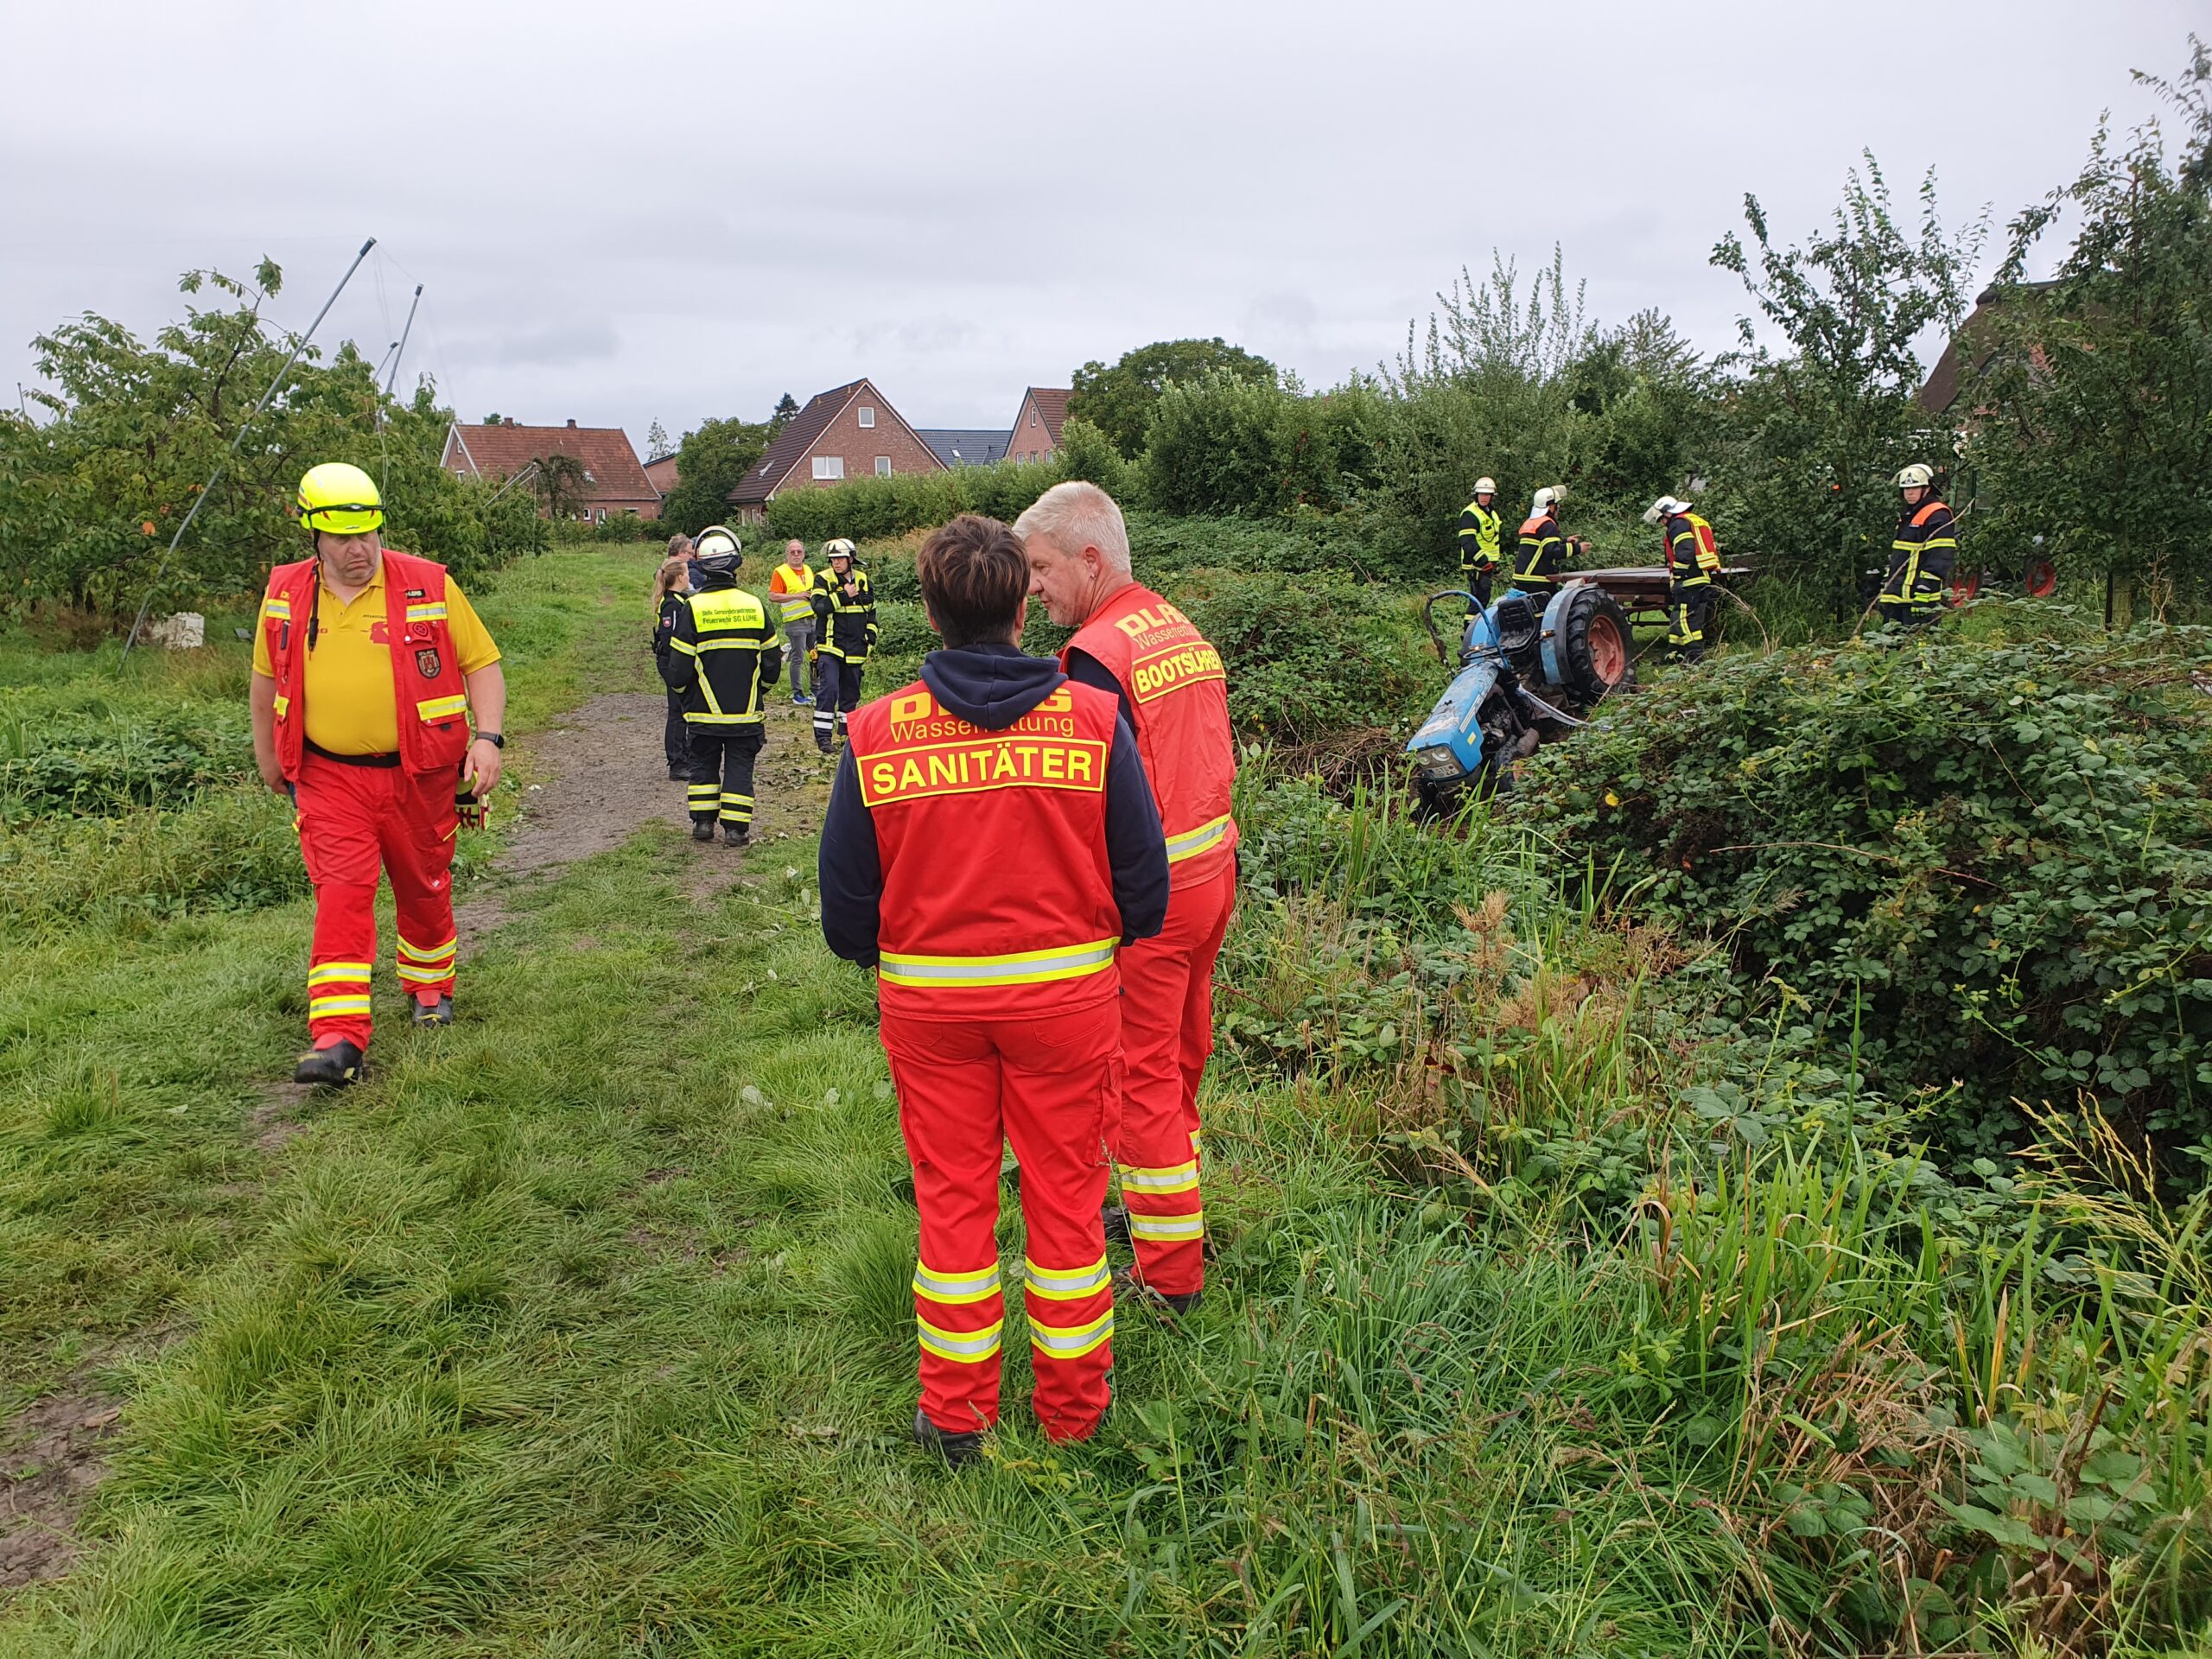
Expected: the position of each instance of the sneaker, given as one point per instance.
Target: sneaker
(334, 1066)
(955, 1446)
(703, 830)
(1117, 1219)
(802, 700)
(736, 834)
(1127, 1282)
(436, 1013)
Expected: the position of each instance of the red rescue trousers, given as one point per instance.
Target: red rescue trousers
(354, 821)
(1049, 1086)
(1166, 1036)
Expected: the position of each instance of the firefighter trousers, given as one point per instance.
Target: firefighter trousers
(1166, 1037)
(722, 773)
(355, 822)
(837, 694)
(1051, 1087)
(1478, 579)
(676, 735)
(1689, 608)
(1912, 592)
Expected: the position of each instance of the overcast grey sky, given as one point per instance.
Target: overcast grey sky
(673, 209)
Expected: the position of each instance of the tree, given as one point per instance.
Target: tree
(781, 417)
(1814, 434)
(712, 461)
(2095, 393)
(560, 483)
(657, 443)
(1119, 400)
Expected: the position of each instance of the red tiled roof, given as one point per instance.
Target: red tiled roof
(773, 469)
(1052, 404)
(504, 450)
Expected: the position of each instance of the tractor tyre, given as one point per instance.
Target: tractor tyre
(1597, 652)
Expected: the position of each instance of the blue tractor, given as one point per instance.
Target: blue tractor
(1530, 667)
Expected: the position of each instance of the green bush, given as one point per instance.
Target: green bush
(94, 762)
(878, 508)
(1312, 657)
(1986, 866)
(1220, 444)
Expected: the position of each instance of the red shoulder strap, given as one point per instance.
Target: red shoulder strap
(1927, 511)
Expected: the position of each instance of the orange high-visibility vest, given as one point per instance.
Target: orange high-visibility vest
(429, 700)
(1179, 694)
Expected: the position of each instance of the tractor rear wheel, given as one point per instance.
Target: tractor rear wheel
(1595, 650)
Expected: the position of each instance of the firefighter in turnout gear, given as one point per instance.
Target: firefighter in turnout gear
(991, 847)
(1480, 527)
(791, 590)
(723, 658)
(1922, 555)
(1172, 688)
(368, 664)
(1692, 560)
(1542, 550)
(845, 630)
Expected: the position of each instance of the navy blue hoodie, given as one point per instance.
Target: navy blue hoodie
(992, 686)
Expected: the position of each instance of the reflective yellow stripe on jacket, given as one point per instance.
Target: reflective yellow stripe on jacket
(1191, 843)
(1022, 967)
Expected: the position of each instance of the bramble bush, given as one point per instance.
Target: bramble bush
(1986, 866)
(1310, 657)
(877, 508)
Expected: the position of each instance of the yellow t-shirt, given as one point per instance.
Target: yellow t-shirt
(347, 685)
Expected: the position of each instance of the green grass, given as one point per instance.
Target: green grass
(1552, 1313)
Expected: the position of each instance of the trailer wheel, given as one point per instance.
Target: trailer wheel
(1596, 655)
(2040, 578)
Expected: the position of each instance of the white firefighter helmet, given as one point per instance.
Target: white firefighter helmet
(1546, 498)
(1485, 486)
(1665, 507)
(840, 548)
(717, 548)
(1916, 477)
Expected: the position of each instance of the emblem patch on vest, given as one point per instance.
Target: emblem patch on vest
(427, 663)
(416, 593)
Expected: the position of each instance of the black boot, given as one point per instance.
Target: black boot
(955, 1446)
(1117, 1219)
(736, 834)
(439, 1013)
(1125, 1279)
(335, 1066)
(702, 829)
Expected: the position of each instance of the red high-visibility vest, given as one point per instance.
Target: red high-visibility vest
(428, 696)
(1179, 693)
(998, 896)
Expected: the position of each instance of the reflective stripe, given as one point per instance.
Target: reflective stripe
(433, 612)
(687, 649)
(1071, 1341)
(795, 610)
(443, 708)
(969, 1346)
(1183, 1177)
(1064, 1284)
(1023, 968)
(941, 1286)
(718, 718)
(326, 1008)
(425, 973)
(284, 705)
(729, 799)
(436, 953)
(278, 607)
(1191, 843)
(732, 645)
(1167, 1229)
(350, 973)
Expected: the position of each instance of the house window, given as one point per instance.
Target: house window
(867, 415)
(1032, 417)
(829, 465)
(883, 465)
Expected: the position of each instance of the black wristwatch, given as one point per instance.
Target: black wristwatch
(496, 740)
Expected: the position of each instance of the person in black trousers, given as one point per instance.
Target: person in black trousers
(670, 586)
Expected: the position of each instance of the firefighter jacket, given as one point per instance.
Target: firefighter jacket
(844, 627)
(1173, 689)
(1543, 552)
(1693, 555)
(1922, 555)
(722, 655)
(1479, 531)
(671, 606)
(429, 700)
(793, 593)
(991, 842)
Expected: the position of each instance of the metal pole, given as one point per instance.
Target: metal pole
(201, 499)
(400, 350)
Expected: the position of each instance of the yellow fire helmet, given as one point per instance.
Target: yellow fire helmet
(339, 499)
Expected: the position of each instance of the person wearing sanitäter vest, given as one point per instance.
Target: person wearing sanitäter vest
(369, 665)
(1169, 681)
(992, 851)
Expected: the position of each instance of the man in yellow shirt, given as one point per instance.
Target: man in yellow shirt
(368, 666)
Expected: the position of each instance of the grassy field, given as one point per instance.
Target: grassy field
(1553, 1311)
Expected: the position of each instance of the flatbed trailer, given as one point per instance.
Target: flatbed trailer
(1641, 590)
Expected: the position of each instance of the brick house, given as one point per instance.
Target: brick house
(662, 474)
(618, 484)
(850, 431)
(1037, 423)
